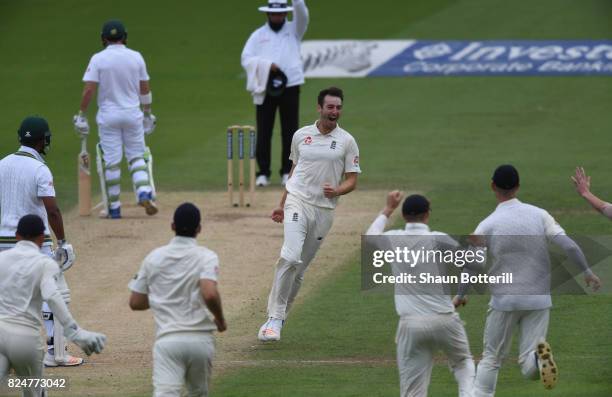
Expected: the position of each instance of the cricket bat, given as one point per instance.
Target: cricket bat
(84, 180)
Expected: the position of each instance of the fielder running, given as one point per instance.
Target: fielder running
(179, 282)
(122, 76)
(428, 321)
(27, 277)
(503, 232)
(322, 154)
(26, 187)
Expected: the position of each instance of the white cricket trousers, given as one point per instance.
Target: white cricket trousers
(305, 228)
(182, 358)
(23, 351)
(418, 338)
(122, 130)
(499, 327)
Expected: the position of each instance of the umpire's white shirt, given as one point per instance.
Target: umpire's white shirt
(27, 277)
(24, 179)
(511, 252)
(118, 70)
(321, 159)
(282, 47)
(415, 300)
(170, 276)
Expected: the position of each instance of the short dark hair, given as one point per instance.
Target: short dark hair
(30, 227)
(506, 177)
(415, 207)
(331, 91)
(186, 220)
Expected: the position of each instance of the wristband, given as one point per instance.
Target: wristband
(146, 99)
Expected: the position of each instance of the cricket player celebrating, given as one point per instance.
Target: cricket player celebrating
(322, 154)
(428, 321)
(27, 277)
(26, 187)
(503, 232)
(179, 282)
(122, 76)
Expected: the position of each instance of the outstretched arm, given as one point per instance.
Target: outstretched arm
(583, 187)
(575, 254)
(300, 17)
(378, 226)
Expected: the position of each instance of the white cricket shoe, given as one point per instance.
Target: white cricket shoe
(262, 181)
(68, 361)
(549, 373)
(284, 179)
(271, 330)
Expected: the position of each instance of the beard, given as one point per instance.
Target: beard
(276, 26)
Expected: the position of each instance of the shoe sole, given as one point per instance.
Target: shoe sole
(149, 207)
(549, 373)
(56, 364)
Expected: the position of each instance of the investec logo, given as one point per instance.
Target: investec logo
(477, 51)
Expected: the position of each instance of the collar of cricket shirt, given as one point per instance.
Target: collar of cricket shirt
(28, 245)
(32, 151)
(508, 203)
(182, 240)
(333, 132)
(414, 226)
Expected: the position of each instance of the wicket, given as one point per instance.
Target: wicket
(231, 132)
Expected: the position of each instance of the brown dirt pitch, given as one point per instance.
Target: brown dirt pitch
(109, 253)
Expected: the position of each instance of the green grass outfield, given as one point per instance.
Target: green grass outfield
(443, 136)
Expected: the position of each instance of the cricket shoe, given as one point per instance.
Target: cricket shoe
(262, 181)
(67, 361)
(549, 373)
(114, 213)
(271, 330)
(145, 199)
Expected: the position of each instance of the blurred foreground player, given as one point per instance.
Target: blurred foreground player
(179, 283)
(27, 277)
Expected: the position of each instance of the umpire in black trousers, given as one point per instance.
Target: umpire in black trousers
(273, 50)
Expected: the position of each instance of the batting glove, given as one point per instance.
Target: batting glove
(89, 342)
(80, 124)
(149, 123)
(64, 255)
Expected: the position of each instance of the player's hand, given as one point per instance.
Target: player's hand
(592, 281)
(459, 301)
(80, 123)
(394, 198)
(89, 342)
(278, 215)
(582, 182)
(329, 191)
(149, 122)
(274, 67)
(64, 255)
(221, 325)
(65, 293)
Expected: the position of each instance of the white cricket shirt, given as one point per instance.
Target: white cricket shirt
(321, 159)
(24, 179)
(27, 277)
(282, 47)
(517, 235)
(170, 276)
(418, 299)
(118, 71)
